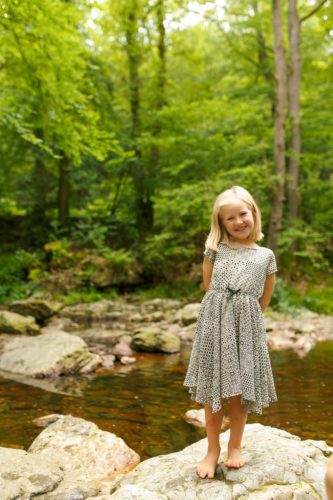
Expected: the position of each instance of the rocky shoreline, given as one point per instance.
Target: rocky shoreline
(40, 338)
(73, 459)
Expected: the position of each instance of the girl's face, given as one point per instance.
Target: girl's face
(238, 220)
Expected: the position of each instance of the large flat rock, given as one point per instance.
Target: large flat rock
(278, 466)
(49, 354)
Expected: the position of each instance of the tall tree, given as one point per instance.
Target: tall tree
(294, 114)
(275, 222)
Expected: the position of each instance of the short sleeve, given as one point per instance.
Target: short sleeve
(210, 254)
(271, 267)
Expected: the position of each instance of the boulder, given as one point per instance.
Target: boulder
(71, 459)
(14, 323)
(279, 465)
(23, 475)
(40, 309)
(150, 340)
(188, 314)
(82, 446)
(103, 311)
(122, 349)
(49, 354)
(104, 336)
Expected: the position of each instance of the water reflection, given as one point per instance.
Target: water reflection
(145, 403)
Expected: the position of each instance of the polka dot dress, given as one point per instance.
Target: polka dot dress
(229, 353)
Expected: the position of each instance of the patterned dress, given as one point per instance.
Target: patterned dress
(229, 354)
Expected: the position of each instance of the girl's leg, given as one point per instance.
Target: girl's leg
(238, 417)
(213, 428)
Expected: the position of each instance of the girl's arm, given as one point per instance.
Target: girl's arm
(268, 291)
(207, 270)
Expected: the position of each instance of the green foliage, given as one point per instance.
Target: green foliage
(14, 269)
(67, 95)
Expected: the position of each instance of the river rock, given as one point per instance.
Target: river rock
(14, 323)
(278, 466)
(38, 308)
(47, 355)
(127, 360)
(150, 340)
(63, 324)
(104, 336)
(188, 314)
(160, 305)
(300, 333)
(122, 349)
(23, 475)
(103, 311)
(187, 333)
(71, 459)
(81, 445)
(198, 418)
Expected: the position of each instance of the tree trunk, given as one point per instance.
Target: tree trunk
(143, 203)
(40, 184)
(159, 102)
(275, 222)
(294, 109)
(63, 190)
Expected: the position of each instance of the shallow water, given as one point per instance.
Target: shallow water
(145, 404)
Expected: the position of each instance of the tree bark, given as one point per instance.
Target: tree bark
(155, 154)
(40, 181)
(294, 82)
(275, 222)
(143, 202)
(64, 190)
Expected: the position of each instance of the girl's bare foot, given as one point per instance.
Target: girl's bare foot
(207, 466)
(235, 459)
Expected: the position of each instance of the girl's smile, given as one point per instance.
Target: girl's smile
(238, 220)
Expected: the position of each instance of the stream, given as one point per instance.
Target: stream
(145, 403)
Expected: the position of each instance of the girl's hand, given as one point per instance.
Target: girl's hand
(268, 291)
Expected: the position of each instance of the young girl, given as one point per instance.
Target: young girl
(229, 357)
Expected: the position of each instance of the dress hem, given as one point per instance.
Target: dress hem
(245, 402)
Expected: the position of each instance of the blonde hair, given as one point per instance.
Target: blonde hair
(218, 233)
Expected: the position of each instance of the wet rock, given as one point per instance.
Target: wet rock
(108, 361)
(49, 354)
(47, 419)
(197, 418)
(122, 349)
(38, 308)
(300, 333)
(150, 340)
(188, 314)
(14, 323)
(127, 360)
(278, 465)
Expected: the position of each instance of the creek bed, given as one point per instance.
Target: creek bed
(144, 404)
